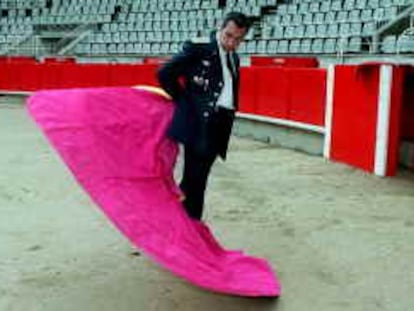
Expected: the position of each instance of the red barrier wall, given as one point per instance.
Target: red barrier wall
(272, 92)
(294, 94)
(287, 62)
(247, 93)
(26, 75)
(356, 98)
(307, 95)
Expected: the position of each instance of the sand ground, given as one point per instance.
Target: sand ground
(339, 239)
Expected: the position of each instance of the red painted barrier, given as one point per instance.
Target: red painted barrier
(247, 91)
(293, 94)
(25, 75)
(28, 76)
(96, 75)
(4, 75)
(296, 94)
(17, 59)
(356, 99)
(53, 75)
(307, 95)
(287, 62)
(272, 92)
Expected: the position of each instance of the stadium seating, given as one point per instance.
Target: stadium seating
(158, 27)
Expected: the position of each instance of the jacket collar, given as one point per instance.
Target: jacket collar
(213, 42)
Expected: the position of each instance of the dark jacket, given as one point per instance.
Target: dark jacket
(194, 79)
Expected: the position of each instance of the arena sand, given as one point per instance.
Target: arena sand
(339, 239)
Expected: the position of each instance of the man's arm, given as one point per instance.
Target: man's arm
(169, 74)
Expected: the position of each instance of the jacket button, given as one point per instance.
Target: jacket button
(205, 114)
(216, 94)
(220, 84)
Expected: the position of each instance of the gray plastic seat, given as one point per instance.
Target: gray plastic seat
(310, 31)
(325, 6)
(286, 20)
(342, 17)
(303, 7)
(333, 30)
(262, 47)
(305, 46)
(129, 48)
(349, 4)
(342, 45)
(367, 15)
(278, 32)
(361, 4)
(314, 7)
(112, 48)
(251, 47)
(344, 30)
(329, 46)
(133, 36)
(379, 15)
(294, 46)
(336, 5)
(266, 32)
(272, 47)
(138, 47)
(308, 19)
(405, 44)
(354, 16)
(322, 31)
(317, 46)
(374, 4)
(356, 29)
(389, 44)
(283, 47)
(120, 48)
(293, 9)
(330, 17)
(289, 32)
(368, 29)
(319, 18)
(355, 45)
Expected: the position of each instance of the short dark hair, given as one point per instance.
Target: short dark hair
(241, 20)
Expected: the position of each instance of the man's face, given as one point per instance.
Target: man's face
(231, 36)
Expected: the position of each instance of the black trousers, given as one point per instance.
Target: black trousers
(197, 166)
(194, 181)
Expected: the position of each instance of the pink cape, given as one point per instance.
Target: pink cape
(113, 141)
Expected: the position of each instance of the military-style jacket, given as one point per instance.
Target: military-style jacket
(194, 79)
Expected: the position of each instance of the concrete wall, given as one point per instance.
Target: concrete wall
(297, 139)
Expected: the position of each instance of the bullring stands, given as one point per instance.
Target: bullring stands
(158, 27)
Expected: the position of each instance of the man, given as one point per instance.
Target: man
(203, 80)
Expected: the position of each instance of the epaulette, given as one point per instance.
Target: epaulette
(200, 40)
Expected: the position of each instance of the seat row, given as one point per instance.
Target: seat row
(333, 30)
(141, 36)
(304, 46)
(398, 44)
(314, 6)
(190, 25)
(171, 15)
(353, 16)
(128, 48)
